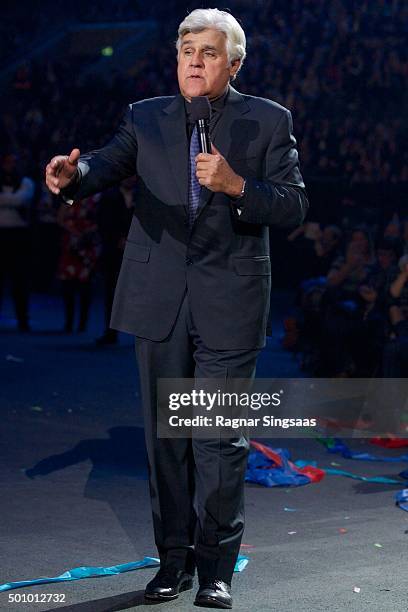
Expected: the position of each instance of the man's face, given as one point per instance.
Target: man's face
(203, 68)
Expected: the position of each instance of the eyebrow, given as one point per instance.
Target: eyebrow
(205, 47)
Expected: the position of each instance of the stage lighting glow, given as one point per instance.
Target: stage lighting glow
(107, 51)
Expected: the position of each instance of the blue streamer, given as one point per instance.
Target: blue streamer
(402, 499)
(85, 572)
(241, 563)
(383, 479)
(341, 448)
(78, 573)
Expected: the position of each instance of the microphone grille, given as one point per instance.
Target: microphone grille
(200, 108)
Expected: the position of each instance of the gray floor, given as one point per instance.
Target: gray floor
(70, 415)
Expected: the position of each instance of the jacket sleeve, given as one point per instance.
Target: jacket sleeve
(280, 198)
(108, 166)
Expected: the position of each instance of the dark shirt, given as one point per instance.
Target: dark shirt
(217, 106)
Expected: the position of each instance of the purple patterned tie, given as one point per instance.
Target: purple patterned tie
(194, 187)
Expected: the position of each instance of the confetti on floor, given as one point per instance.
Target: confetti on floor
(14, 359)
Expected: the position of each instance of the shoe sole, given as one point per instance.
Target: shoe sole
(186, 586)
(210, 602)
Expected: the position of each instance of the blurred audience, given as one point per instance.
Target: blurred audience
(80, 250)
(46, 236)
(16, 195)
(395, 361)
(352, 321)
(341, 67)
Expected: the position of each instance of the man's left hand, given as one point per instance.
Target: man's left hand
(214, 172)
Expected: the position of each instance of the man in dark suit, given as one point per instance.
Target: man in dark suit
(195, 280)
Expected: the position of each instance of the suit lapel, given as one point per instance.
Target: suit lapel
(173, 129)
(227, 140)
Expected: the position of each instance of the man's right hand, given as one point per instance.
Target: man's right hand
(61, 171)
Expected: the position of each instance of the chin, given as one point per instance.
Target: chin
(194, 89)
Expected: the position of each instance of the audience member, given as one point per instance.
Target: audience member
(16, 196)
(79, 255)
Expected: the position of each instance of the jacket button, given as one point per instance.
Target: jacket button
(189, 261)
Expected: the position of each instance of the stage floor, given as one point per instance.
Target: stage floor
(70, 416)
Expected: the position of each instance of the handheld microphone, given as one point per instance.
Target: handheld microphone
(200, 114)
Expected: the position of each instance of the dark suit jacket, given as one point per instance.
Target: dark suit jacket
(223, 263)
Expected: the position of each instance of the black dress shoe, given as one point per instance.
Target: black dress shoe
(214, 594)
(168, 583)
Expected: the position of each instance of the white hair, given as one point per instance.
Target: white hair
(203, 19)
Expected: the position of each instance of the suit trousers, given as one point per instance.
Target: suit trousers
(196, 484)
